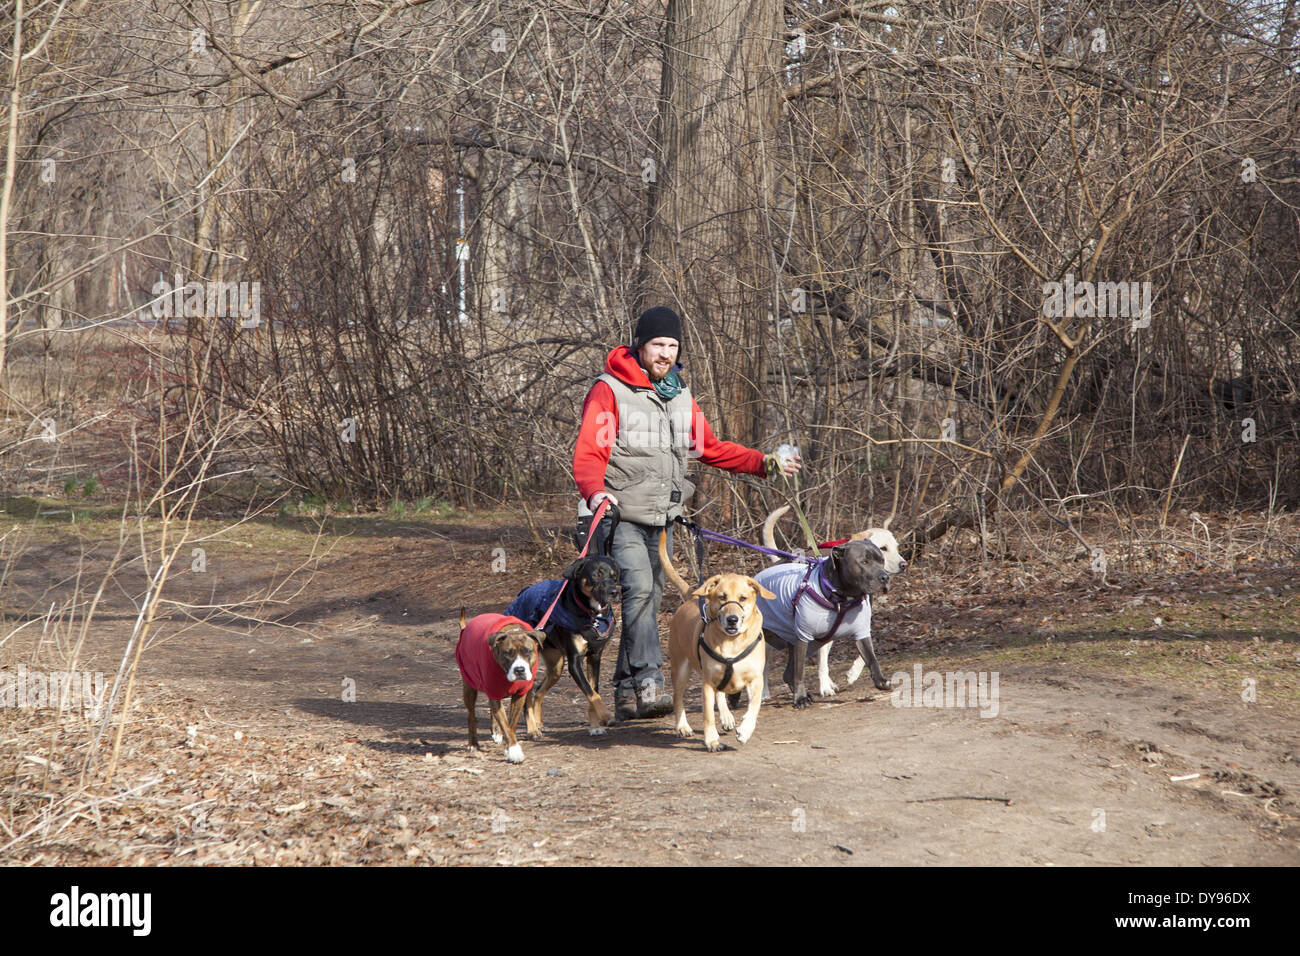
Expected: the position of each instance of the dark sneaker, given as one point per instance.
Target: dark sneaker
(651, 701)
(625, 707)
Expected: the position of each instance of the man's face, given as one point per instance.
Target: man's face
(658, 356)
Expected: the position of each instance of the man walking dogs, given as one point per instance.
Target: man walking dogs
(640, 426)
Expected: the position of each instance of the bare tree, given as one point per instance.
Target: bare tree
(453, 210)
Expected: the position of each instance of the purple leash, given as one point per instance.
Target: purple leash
(699, 532)
(817, 566)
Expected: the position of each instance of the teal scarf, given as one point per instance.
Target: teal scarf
(669, 386)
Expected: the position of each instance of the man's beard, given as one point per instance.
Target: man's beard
(656, 376)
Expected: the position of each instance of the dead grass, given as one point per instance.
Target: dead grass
(252, 787)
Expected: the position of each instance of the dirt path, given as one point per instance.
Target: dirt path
(839, 775)
(256, 758)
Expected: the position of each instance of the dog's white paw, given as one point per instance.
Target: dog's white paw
(727, 721)
(827, 689)
(497, 738)
(856, 671)
(515, 754)
(596, 731)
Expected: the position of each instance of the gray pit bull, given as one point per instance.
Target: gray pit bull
(818, 603)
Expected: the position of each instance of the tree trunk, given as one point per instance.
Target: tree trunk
(705, 254)
(11, 167)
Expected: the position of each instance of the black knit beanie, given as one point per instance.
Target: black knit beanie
(659, 322)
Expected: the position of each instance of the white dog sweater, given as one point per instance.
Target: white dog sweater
(810, 621)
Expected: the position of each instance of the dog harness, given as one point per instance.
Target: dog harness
(840, 606)
(728, 662)
(478, 665)
(789, 618)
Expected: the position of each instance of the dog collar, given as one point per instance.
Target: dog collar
(824, 580)
(583, 604)
(573, 614)
(823, 592)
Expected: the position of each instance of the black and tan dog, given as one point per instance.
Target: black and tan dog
(718, 631)
(576, 633)
(497, 655)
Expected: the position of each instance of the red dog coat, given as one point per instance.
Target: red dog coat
(477, 665)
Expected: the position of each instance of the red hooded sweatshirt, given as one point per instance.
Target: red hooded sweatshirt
(480, 668)
(590, 456)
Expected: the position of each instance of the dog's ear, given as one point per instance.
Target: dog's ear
(840, 552)
(705, 589)
(762, 591)
(884, 539)
(497, 638)
(539, 637)
(574, 571)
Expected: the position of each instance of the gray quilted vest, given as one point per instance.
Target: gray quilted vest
(647, 463)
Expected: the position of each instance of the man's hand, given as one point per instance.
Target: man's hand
(774, 465)
(594, 503)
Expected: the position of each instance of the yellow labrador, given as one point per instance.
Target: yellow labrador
(717, 632)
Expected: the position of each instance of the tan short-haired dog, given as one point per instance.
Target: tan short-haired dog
(717, 632)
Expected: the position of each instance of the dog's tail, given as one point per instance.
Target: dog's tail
(769, 529)
(462, 619)
(667, 562)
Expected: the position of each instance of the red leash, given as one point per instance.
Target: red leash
(591, 534)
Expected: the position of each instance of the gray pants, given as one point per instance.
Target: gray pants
(640, 658)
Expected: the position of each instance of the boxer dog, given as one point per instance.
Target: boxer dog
(497, 655)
